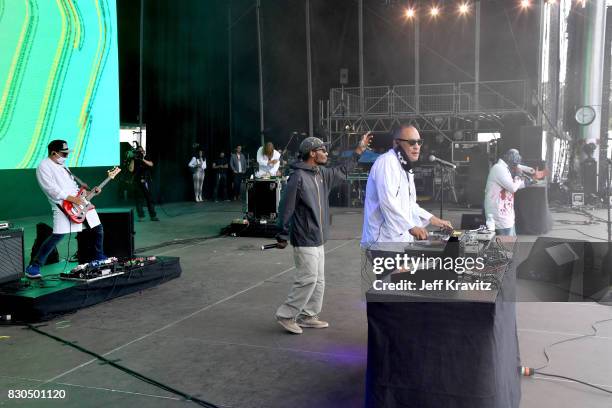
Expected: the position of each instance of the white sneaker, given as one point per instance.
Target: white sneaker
(290, 325)
(312, 322)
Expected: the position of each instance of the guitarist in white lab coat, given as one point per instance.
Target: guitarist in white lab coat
(59, 184)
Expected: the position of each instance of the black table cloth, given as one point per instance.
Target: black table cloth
(443, 354)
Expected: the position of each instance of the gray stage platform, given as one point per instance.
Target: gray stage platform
(212, 333)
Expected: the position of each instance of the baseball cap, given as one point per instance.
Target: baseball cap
(310, 144)
(60, 146)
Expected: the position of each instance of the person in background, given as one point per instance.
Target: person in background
(140, 166)
(269, 161)
(198, 167)
(503, 181)
(238, 165)
(220, 166)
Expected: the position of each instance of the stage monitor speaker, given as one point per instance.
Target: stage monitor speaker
(563, 262)
(11, 255)
(552, 259)
(43, 231)
(531, 144)
(118, 235)
(472, 221)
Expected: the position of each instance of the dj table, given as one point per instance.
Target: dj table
(457, 352)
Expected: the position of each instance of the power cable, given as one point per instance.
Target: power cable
(530, 372)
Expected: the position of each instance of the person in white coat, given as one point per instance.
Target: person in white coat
(503, 181)
(58, 184)
(198, 167)
(269, 161)
(391, 212)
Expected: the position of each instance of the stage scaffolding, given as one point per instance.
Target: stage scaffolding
(433, 108)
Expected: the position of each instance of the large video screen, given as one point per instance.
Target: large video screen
(58, 80)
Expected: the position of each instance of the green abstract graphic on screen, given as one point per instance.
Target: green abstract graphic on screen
(58, 80)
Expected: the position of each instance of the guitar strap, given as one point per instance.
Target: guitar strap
(78, 180)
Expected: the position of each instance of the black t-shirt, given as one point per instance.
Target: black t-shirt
(221, 162)
(141, 170)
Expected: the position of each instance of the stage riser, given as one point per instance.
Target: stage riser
(81, 295)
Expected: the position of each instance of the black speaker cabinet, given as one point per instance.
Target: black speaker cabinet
(531, 144)
(11, 255)
(263, 197)
(118, 235)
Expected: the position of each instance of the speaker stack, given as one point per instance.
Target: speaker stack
(531, 145)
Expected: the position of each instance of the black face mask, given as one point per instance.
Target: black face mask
(403, 158)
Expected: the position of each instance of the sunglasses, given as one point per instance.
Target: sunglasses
(63, 154)
(411, 142)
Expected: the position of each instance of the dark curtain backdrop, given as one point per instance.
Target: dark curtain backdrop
(186, 93)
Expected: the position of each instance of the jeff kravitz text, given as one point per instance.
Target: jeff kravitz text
(405, 263)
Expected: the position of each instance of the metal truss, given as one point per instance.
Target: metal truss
(434, 108)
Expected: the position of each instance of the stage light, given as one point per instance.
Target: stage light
(410, 13)
(464, 8)
(435, 11)
(525, 4)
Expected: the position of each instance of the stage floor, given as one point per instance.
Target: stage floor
(211, 333)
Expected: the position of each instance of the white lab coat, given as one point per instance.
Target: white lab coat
(57, 184)
(499, 195)
(264, 168)
(390, 209)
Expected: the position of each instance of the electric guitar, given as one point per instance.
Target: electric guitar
(77, 212)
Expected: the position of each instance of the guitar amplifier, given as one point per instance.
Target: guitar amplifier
(11, 255)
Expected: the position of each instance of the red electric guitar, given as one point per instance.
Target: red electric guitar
(77, 212)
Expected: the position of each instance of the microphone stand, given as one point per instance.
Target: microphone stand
(442, 180)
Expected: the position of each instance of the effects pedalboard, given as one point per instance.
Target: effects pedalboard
(97, 270)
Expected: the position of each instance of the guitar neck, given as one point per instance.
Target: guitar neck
(105, 182)
(92, 193)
